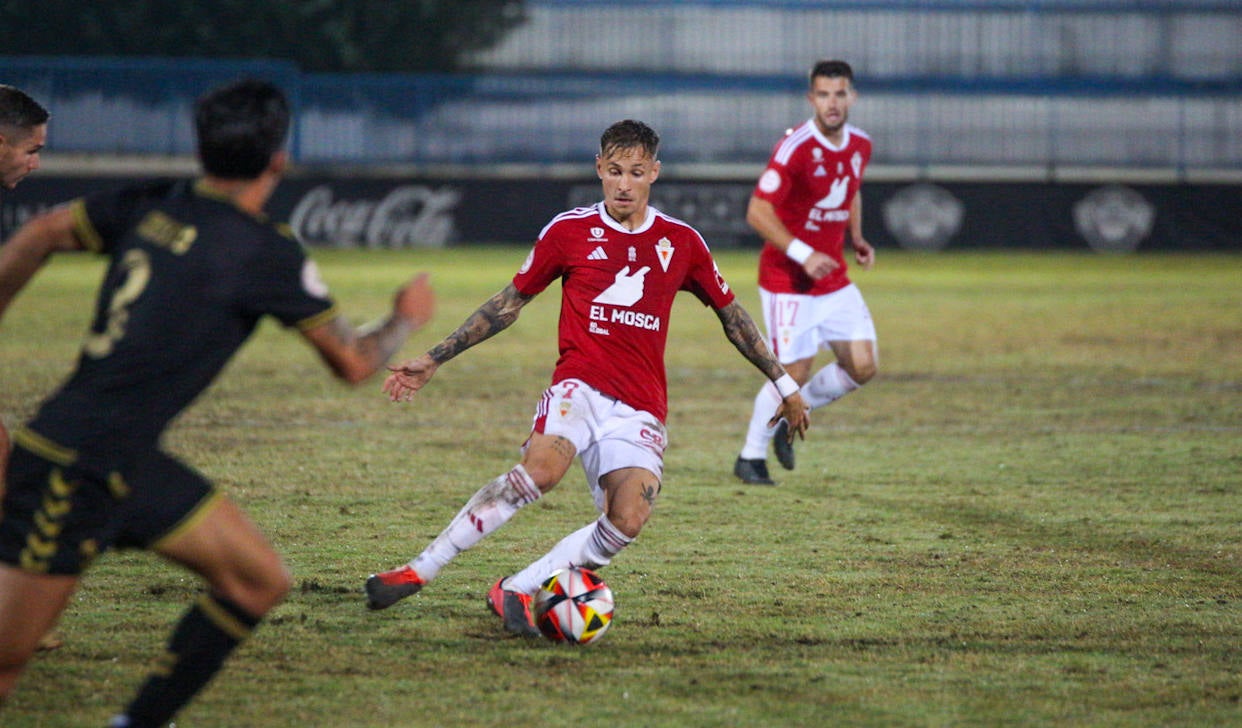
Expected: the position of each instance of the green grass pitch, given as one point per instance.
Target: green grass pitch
(1032, 516)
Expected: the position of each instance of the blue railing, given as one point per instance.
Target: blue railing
(104, 106)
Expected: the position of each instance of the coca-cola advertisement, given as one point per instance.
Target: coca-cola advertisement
(401, 216)
(405, 213)
(349, 212)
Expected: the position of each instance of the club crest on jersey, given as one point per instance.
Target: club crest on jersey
(856, 164)
(664, 252)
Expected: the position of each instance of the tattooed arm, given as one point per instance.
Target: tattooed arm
(355, 354)
(740, 328)
(495, 315)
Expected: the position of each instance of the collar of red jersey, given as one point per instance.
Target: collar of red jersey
(819, 136)
(603, 214)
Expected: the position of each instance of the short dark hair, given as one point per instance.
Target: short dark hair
(831, 69)
(629, 134)
(240, 126)
(19, 111)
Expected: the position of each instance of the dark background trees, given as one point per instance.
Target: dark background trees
(318, 35)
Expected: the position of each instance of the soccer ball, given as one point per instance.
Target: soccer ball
(573, 605)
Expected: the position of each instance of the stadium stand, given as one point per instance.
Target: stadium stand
(1034, 85)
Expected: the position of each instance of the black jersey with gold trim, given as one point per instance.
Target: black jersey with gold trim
(190, 276)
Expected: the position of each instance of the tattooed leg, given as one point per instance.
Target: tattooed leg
(631, 496)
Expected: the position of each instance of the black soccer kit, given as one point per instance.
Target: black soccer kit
(190, 277)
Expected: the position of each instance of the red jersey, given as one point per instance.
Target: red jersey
(618, 287)
(812, 184)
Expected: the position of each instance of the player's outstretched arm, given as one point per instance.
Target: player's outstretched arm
(740, 328)
(30, 247)
(354, 354)
(495, 315)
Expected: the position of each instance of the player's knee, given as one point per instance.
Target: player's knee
(545, 475)
(629, 521)
(258, 590)
(544, 480)
(260, 598)
(862, 371)
(281, 586)
(277, 586)
(631, 527)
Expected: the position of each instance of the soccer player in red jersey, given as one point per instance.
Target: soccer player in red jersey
(620, 263)
(802, 206)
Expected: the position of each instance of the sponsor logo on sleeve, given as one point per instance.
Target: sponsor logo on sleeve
(769, 181)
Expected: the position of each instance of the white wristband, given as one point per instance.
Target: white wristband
(798, 251)
(786, 385)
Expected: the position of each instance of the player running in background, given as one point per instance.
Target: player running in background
(23, 132)
(620, 263)
(802, 205)
(194, 266)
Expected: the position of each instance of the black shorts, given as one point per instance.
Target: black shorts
(58, 517)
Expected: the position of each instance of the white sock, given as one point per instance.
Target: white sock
(827, 386)
(590, 547)
(758, 434)
(487, 510)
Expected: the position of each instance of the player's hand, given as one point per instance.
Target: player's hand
(794, 411)
(415, 302)
(864, 253)
(819, 265)
(406, 379)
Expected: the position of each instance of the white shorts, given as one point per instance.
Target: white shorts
(608, 433)
(799, 325)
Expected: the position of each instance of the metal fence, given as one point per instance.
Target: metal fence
(1035, 84)
(961, 39)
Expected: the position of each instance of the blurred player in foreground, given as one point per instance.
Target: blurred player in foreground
(194, 266)
(23, 132)
(802, 205)
(620, 263)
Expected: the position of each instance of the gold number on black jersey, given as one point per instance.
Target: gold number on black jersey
(136, 266)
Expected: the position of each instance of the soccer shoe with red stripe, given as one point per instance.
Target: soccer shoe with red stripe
(387, 588)
(513, 608)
